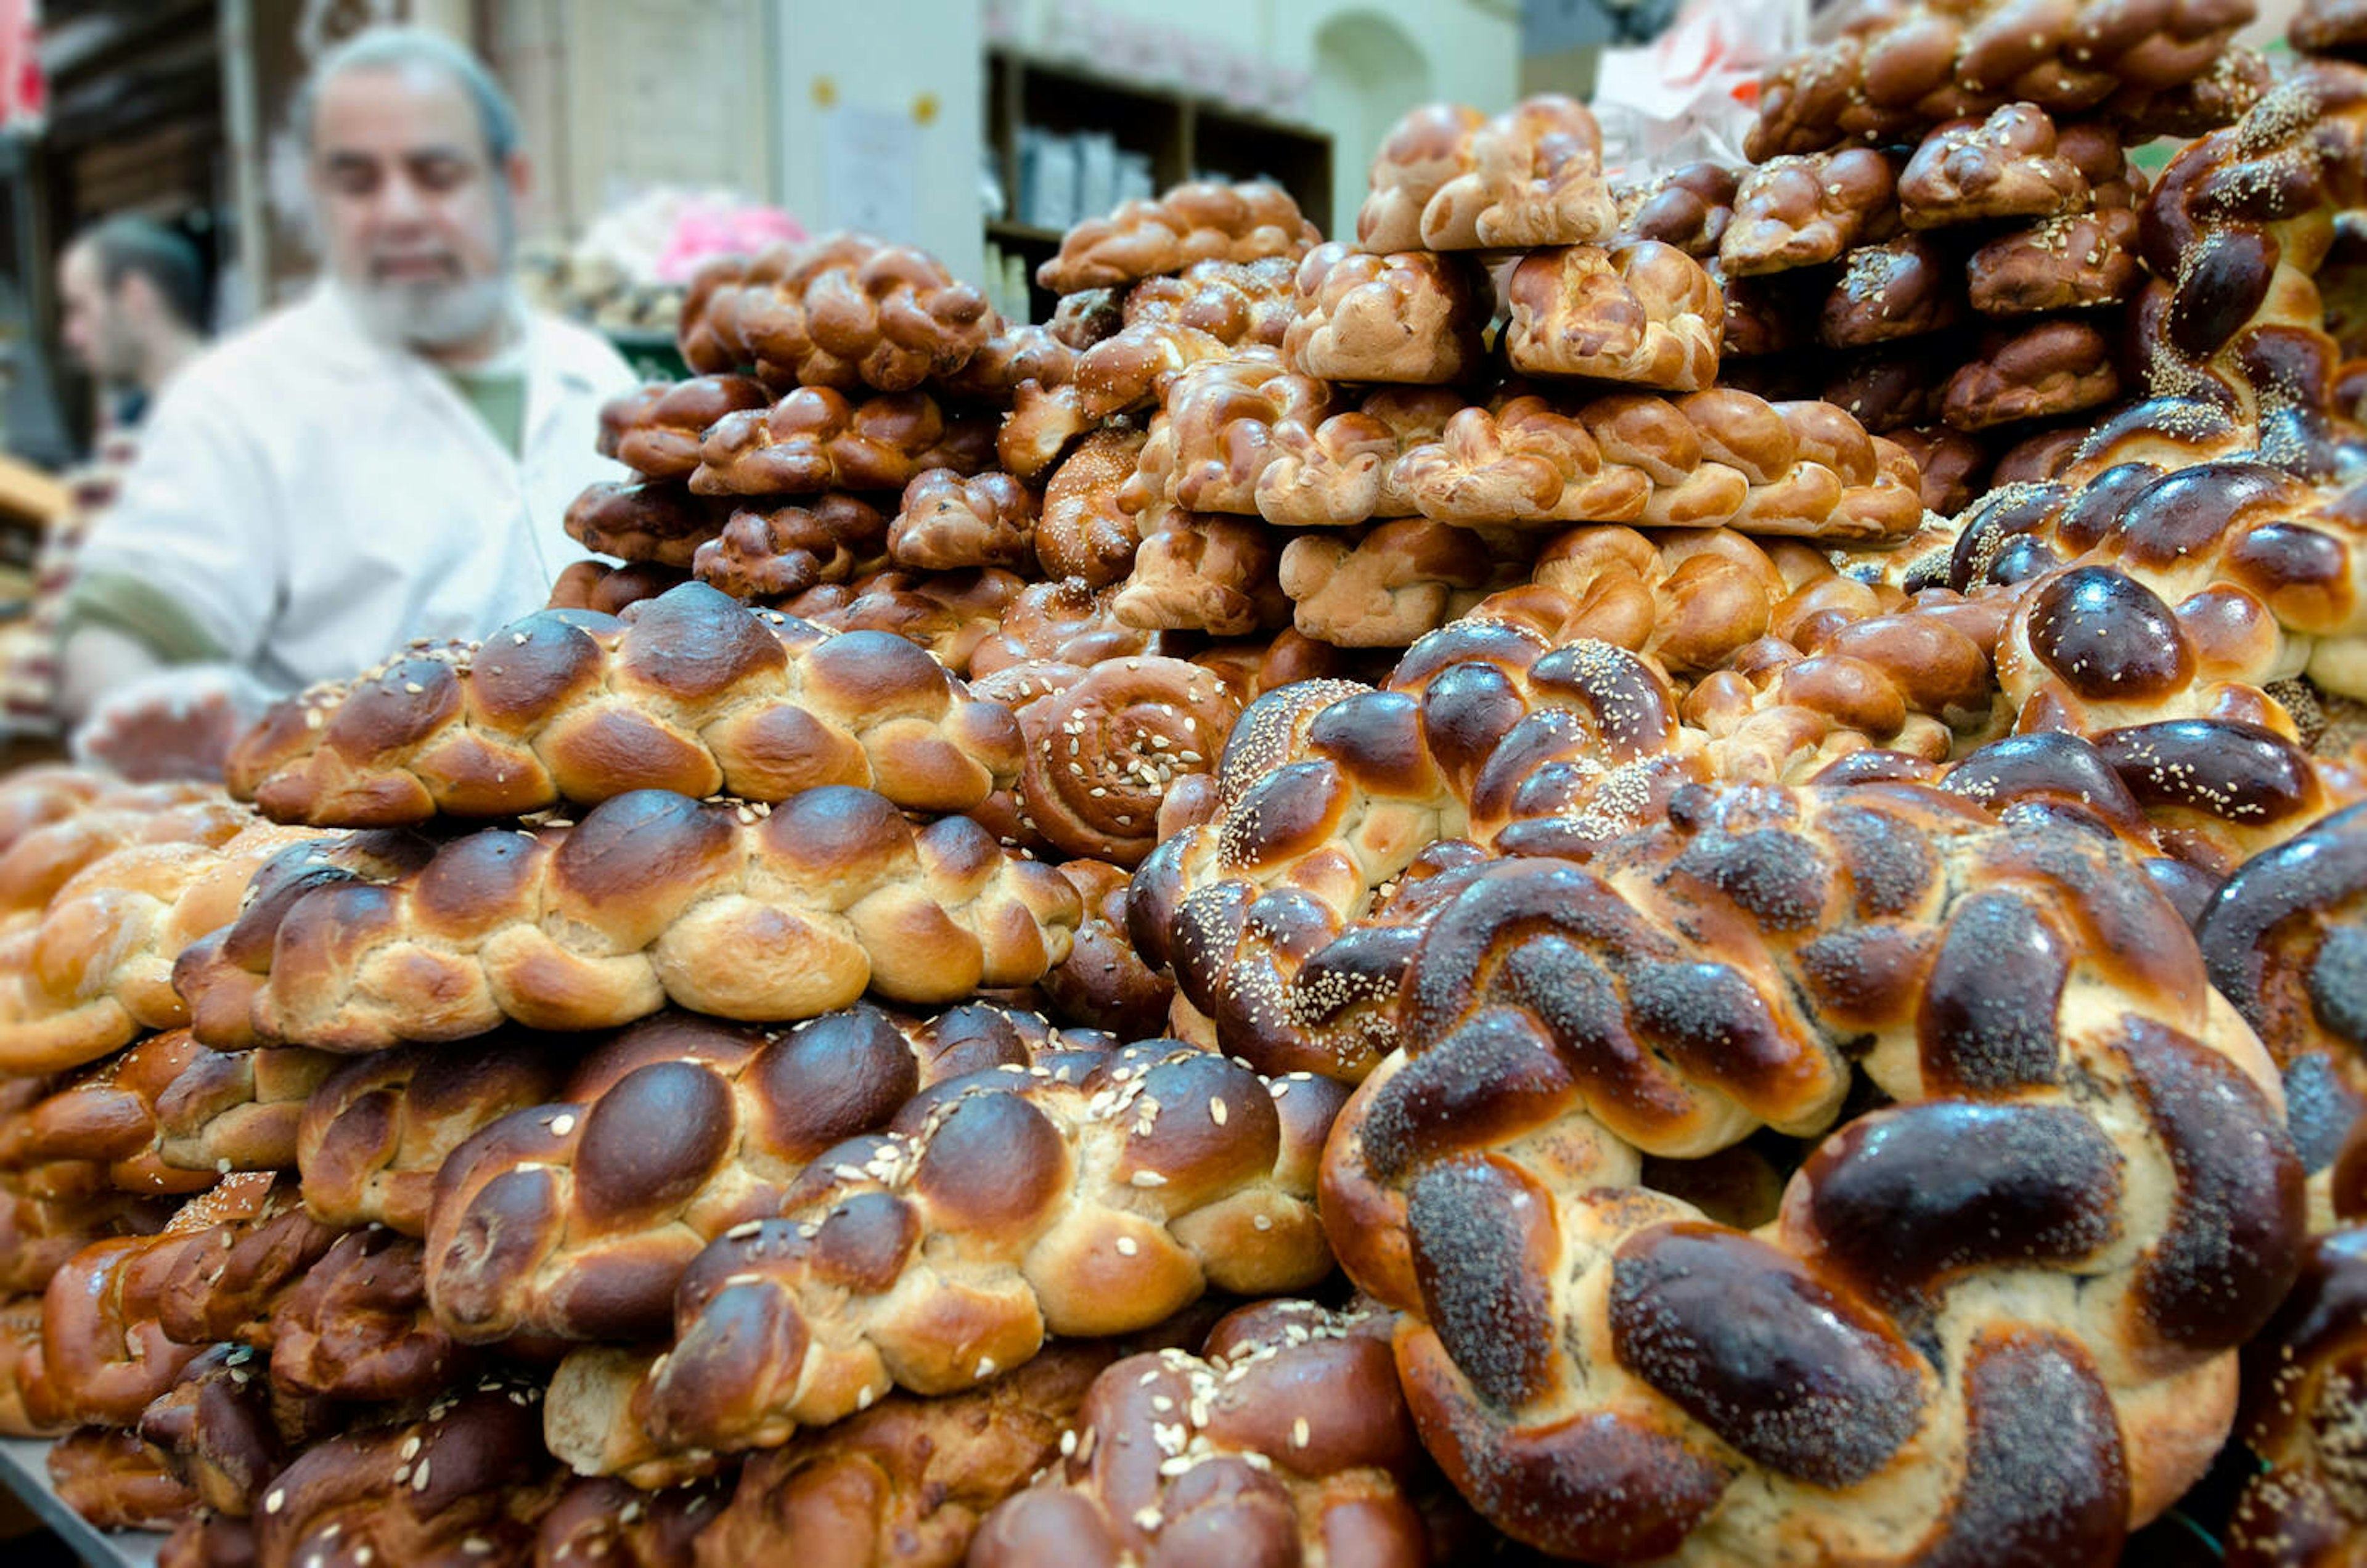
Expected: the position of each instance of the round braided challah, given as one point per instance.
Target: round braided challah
(1995, 1319)
(724, 908)
(1005, 1207)
(693, 693)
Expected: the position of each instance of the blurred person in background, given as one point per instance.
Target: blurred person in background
(389, 458)
(134, 295)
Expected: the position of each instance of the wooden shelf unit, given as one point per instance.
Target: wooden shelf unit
(1182, 133)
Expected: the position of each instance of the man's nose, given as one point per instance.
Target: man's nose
(401, 201)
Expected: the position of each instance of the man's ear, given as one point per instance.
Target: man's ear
(135, 297)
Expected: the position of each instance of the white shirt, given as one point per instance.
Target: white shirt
(314, 499)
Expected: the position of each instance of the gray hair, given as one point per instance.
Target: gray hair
(394, 48)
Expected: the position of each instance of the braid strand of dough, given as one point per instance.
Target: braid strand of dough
(695, 693)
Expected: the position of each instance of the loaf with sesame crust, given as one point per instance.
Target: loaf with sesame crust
(1995, 1319)
(577, 1217)
(1285, 1440)
(1792, 212)
(1104, 742)
(2305, 1401)
(1061, 621)
(466, 1480)
(693, 692)
(1004, 1208)
(727, 908)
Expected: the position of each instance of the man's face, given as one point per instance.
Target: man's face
(97, 332)
(417, 221)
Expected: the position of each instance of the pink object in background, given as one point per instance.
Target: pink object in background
(705, 229)
(24, 92)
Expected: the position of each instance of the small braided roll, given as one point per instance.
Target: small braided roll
(932, 1258)
(724, 908)
(694, 694)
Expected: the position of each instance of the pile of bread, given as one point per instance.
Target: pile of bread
(1338, 910)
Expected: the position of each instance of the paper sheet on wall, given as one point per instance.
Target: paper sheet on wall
(868, 156)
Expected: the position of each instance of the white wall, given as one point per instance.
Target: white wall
(887, 54)
(889, 57)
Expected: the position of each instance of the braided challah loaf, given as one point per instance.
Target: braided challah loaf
(656, 429)
(817, 439)
(97, 972)
(1446, 180)
(1412, 317)
(108, 1113)
(577, 1218)
(1639, 312)
(1285, 1441)
(769, 555)
(728, 909)
(2305, 1397)
(693, 693)
(44, 857)
(1994, 1321)
(1007, 1207)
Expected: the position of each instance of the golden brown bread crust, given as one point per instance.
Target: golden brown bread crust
(163, 1116)
(2304, 1378)
(355, 1325)
(1640, 312)
(1953, 466)
(1412, 317)
(1064, 621)
(116, 1481)
(656, 523)
(905, 1483)
(1690, 208)
(1125, 373)
(605, 590)
(599, 1519)
(1887, 914)
(2007, 165)
(1348, 469)
(694, 692)
(724, 908)
(816, 438)
(1900, 69)
(466, 1481)
(1386, 585)
(1425, 150)
(1285, 1441)
(2053, 366)
(2070, 263)
(1904, 287)
(1105, 984)
(577, 1218)
(26, 1410)
(946, 614)
(1211, 441)
(1234, 302)
(1104, 744)
(2330, 27)
(1804, 211)
(947, 522)
(1199, 220)
(1203, 571)
(766, 555)
(39, 859)
(96, 973)
(1085, 533)
(655, 429)
(707, 333)
(1719, 456)
(1531, 176)
(852, 312)
(932, 1258)
(376, 1131)
(1894, 387)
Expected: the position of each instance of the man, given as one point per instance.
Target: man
(134, 293)
(390, 459)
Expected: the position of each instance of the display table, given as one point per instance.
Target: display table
(24, 1465)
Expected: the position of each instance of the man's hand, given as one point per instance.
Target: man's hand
(177, 723)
